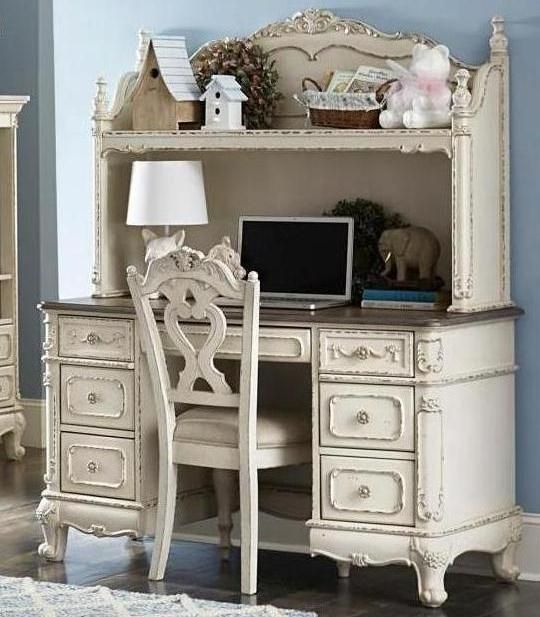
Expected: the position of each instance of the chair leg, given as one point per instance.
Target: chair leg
(225, 483)
(249, 526)
(164, 521)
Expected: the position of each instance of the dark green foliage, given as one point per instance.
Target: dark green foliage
(370, 220)
(254, 71)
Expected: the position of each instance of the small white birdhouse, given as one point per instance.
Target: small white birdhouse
(223, 100)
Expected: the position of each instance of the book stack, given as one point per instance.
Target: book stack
(407, 299)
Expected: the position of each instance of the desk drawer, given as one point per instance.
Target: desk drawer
(366, 352)
(6, 344)
(95, 465)
(367, 490)
(105, 339)
(7, 386)
(97, 397)
(276, 344)
(367, 416)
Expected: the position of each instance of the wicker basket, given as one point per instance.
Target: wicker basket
(346, 118)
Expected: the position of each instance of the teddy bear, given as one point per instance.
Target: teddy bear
(420, 98)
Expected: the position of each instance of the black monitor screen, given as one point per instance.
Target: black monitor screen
(297, 257)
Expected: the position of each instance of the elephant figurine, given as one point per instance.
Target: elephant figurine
(409, 248)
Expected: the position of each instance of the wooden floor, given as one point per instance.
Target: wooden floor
(285, 580)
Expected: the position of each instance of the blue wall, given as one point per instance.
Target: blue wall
(100, 38)
(26, 66)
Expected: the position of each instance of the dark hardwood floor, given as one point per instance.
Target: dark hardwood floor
(285, 580)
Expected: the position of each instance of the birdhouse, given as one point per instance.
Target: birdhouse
(166, 94)
(223, 101)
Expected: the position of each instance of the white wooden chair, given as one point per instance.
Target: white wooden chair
(222, 429)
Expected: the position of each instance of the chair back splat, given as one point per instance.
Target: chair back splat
(191, 283)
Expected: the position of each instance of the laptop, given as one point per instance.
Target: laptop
(302, 262)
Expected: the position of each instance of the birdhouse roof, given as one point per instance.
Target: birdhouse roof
(174, 66)
(226, 84)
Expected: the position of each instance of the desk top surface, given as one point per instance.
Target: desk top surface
(337, 316)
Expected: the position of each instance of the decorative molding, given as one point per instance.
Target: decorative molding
(364, 491)
(6, 387)
(434, 560)
(72, 450)
(93, 338)
(428, 359)
(363, 416)
(365, 352)
(413, 531)
(108, 502)
(429, 506)
(92, 397)
(313, 22)
(101, 531)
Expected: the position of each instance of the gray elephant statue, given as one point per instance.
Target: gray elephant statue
(409, 248)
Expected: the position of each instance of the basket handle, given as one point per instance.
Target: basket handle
(308, 80)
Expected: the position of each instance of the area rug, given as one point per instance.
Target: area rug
(23, 597)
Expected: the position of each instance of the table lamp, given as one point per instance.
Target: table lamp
(166, 193)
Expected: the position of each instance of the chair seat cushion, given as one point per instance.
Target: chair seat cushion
(219, 425)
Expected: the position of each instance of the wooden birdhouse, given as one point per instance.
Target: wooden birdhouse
(223, 101)
(166, 95)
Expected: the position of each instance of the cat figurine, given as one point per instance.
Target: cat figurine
(157, 246)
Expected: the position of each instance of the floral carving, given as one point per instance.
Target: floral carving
(429, 355)
(434, 560)
(361, 560)
(363, 352)
(430, 405)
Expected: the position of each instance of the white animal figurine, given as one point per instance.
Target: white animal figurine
(409, 248)
(421, 96)
(225, 253)
(157, 246)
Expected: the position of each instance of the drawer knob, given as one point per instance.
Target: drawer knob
(363, 417)
(92, 398)
(92, 338)
(92, 466)
(364, 491)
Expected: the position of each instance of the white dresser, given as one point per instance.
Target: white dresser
(12, 422)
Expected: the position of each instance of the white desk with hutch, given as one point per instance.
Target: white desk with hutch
(413, 412)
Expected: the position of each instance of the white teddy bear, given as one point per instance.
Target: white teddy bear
(421, 96)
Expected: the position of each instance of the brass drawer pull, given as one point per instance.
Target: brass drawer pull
(92, 398)
(363, 417)
(364, 491)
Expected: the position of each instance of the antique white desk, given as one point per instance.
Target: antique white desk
(413, 432)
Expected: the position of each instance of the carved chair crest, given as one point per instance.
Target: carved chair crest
(191, 283)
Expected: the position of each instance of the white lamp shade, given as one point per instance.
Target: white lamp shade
(167, 193)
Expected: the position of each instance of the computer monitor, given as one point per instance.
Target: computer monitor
(299, 257)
